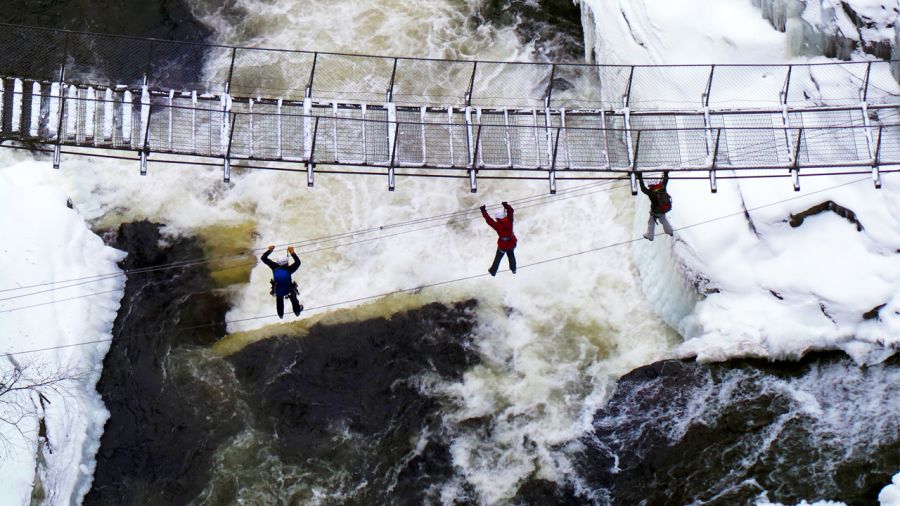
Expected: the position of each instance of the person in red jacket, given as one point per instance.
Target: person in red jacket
(506, 240)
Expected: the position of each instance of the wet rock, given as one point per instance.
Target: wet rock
(163, 19)
(679, 432)
(797, 219)
(554, 26)
(163, 425)
(349, 398)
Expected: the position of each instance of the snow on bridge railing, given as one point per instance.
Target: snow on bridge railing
(112, 61)
(521, 143)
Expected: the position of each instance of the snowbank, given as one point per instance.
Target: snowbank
(45, 240)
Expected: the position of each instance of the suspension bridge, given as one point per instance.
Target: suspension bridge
(75, 93)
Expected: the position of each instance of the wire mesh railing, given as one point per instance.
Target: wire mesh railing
(278, 131)
(109, 61)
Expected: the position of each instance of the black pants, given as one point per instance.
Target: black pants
(295, 304)
(499, 256)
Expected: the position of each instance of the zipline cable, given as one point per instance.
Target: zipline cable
(307, 242)
(254, 262)
(438, 283)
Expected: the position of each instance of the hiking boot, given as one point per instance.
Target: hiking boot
(649, 237)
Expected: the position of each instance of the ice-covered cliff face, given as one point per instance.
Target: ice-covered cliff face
(835, 28)
(763, 287)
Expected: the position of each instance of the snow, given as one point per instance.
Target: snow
(35, 109)
(890, 494)
(17, 105)
(45, 240)
(770, 290)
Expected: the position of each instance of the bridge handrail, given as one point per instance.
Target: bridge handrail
(50, 55)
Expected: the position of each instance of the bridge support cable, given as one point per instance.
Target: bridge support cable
(310, 163)
(143, 143)
(867, 130)
(473, 184)
(629, 145)
(471, 148)
(391, 181)
(786, 123)
(715, 159)
(876, 176)
(552, 175)
(712, 147)
(226, 168)
(795, 171)
(312, 76)
(60, 103)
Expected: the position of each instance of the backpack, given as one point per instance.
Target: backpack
(663, 202)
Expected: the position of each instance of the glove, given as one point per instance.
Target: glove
(271, 248)
(291, 250)
(483, 208)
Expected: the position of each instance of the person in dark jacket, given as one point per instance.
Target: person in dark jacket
(282, 284)
(506, 240)
(660, 204)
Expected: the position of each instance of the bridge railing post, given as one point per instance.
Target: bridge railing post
(634, 157)
(61, 103)
(312, 76)
(795, 171)
(391, 164)
(709, 81)
(390, 90)
(552, 175)
(549, 92)
(473, 162)
(149, 69)
(230, 70)
(715, 160)
(876, 176)
(471, 84)
(310, 162)
(226, 169)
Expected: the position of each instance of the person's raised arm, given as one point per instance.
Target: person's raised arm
(265, 257)
(486, 216)
(296, 265)
(665, 179)
(640, 179)
(509, 210)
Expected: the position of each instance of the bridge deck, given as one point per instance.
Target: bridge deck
(602, 119)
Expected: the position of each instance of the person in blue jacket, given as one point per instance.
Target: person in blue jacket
(282, 284)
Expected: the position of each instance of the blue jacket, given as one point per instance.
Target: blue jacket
(282, 274)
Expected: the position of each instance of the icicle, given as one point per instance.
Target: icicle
(90, 112)
(35, 126)
(225, 100)
(55, 101)
(108, 113)
(127, 112)
(17, 106)
(72, 116)
(145, 115)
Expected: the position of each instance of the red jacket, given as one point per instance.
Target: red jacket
(506, 240)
